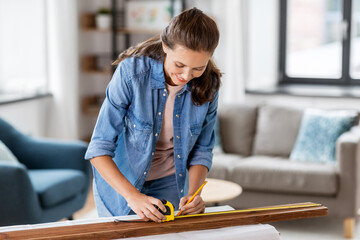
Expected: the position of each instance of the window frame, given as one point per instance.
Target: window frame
(345, 80)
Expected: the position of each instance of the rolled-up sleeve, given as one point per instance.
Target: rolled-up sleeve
(201, 154)
(110, 121)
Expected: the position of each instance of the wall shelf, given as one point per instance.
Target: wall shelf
(91, 105)
(96, 60)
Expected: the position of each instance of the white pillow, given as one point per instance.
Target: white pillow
(6, 155)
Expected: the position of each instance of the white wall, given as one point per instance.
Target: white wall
(28, 117)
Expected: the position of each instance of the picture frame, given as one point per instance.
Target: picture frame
(150, 15)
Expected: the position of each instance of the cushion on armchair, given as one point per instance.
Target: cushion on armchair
(318, 134)
(54, 186)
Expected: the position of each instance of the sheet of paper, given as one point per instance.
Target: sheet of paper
(246, 232)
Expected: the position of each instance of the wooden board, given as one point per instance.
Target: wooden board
(113, 230)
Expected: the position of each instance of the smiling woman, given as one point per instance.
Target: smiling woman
(23, 47)
(155, 132)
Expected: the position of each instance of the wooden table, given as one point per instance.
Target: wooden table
(217, 190)
(112, 228)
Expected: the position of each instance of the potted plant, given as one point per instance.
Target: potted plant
(103, 18)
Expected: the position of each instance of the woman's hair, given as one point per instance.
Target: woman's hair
(194, 30)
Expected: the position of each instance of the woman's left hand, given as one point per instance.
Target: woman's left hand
(197, 205)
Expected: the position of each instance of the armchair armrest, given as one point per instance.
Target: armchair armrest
(348, 157)
(18, 200)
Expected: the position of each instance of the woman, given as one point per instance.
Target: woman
(154, 135)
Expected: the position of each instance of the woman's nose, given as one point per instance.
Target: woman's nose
(186, 75)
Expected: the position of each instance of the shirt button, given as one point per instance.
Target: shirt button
(159, 113)
(144, 173)
(180, 175)
(182, 190)
(156, 134)
(152, 153)
(164, 94)
(164, 90)
(177, 137)
(177, 115)
(134, 125)
(179, 96)
(179, 156)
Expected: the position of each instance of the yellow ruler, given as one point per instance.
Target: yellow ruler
(253, 210)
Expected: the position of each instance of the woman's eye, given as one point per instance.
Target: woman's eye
(179, 66)
(199, 69)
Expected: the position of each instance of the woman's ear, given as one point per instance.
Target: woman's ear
(164, 47)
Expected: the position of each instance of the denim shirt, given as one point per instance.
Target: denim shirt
(129, 125)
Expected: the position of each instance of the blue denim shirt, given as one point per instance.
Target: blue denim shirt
(129, 125)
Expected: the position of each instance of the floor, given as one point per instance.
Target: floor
(322, 228)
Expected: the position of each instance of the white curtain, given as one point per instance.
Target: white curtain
(63, 58)
(229, 55)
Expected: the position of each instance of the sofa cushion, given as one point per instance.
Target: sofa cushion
(272, 174)
(222, 165)
(56, 186)
(276, 130)
(318, 134)
(237, 128)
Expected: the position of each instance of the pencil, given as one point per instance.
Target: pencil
(192, 197)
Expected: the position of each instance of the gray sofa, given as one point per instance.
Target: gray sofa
(256, 142)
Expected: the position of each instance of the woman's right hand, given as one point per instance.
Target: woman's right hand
(144, 207)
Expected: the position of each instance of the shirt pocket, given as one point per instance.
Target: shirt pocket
(137, 132)
(194, 132)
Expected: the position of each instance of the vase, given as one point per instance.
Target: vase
(103, 21)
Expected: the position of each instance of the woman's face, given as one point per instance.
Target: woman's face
(182, 64)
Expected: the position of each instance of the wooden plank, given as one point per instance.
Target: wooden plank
(113, 230)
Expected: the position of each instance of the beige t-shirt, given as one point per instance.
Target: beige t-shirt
(163, 163)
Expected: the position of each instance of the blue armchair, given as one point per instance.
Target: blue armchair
(51, 181)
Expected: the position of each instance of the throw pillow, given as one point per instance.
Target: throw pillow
(217, 134)
(319, 131)
(276, 130)
(6, 155)
(237, 128)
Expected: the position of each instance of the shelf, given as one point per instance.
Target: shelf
(88, 24)
(98, 64)
(124, 30)
(91, 105)
(138, 31)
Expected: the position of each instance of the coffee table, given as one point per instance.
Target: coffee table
(218, 190)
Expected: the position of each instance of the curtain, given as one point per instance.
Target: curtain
(229, 55)
(62, 120)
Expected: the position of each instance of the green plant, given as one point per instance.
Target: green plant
(104, 10)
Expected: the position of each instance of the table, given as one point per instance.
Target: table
(218, 190)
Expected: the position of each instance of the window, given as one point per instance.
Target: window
(320, 41)
(355, 41)
(23, 47)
